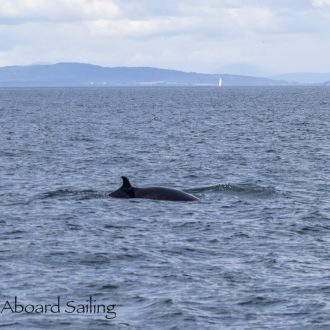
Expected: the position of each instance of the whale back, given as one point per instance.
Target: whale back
(156, 193)
(162, 193)
(125, 191)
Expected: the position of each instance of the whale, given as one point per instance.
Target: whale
(157, 193)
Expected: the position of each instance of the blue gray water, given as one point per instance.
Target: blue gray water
(253, 253)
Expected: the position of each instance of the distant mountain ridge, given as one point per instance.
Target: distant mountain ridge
(304, 77)
(78, 74)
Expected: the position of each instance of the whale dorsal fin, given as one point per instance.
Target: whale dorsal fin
(127, 187)
(126, 183)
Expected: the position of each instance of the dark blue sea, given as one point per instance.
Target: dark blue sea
(252, 253)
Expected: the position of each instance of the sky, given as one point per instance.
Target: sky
(211, 36)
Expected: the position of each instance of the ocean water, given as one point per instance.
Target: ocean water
(252, 253)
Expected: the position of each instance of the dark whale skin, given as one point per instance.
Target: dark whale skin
(156, 193)
(162, 193)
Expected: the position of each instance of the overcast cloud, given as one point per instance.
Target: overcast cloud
(234, 36)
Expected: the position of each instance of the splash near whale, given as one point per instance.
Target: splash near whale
(156, 193)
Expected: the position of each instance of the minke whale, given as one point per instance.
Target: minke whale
(157, 193)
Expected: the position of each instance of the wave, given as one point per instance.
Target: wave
(71, 193)
(246, 189)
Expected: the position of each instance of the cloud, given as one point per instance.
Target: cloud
(59, 10)
(152, 28)
(189, 34)
(320, 3)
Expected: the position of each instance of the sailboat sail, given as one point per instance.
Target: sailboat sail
(220, 82)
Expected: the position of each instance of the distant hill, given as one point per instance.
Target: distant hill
(77, 74)
(304, 77)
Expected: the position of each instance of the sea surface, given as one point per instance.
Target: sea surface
(252, 253)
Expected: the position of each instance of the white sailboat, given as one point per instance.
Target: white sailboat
(220, 82)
